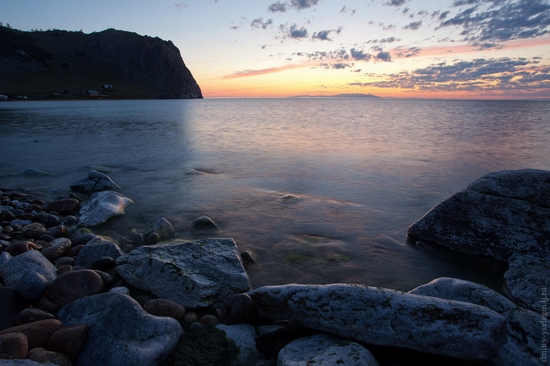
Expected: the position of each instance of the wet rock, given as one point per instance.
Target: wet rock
(522, 326)
(204, 222)
(388, 318)
(70, 286)
(526, 277)
(102, 206)
(137, 238)
(248, 258)
(63, 261)
(34, 230)
(38, 333)
(120, 331)
(48, 219)
(209, 320)
(18, 247)
(56, 249)
(43, 356)
(69, 340)
(244, 338)
(95, 249)
(165, 307)
(13, 345)
(324, 349)
(94, 182)
(191, 317)
(29, 315)
(163, 228)
(67, 206)
(28, 273)
(152, 239)
(241, 309)
(103, 263)
(194, 274)
(58, 231)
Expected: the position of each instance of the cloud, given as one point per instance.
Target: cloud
(395, 2)
(486, 23)
(294, 32)
(294, 4)
(413, 25)
(359, 55)
(277, 7)
(259, 23)
(345, 9)
(270, 70)
(383, 56)
(324, 34)
(482, 75)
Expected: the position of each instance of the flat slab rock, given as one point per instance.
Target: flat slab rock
(194, 274)
(388, 318)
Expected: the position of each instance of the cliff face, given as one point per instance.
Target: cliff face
(71, 62)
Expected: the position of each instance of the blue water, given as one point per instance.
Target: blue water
(321, 190)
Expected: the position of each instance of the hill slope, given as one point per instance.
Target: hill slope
(69, 63)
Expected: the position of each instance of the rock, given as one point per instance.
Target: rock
(94, 182)
(28, 273)
(70, 286)
(34, 230)
(64, 261)
(204, 222)
(67, 206)
(209, 320)
(523, 326)
(24, 363)
(163, 228)
(11, 304)
(388, 318)
(120, 290)
(29, 315)
(48, 219)
(324, 349)
(42, 356)
(95, 249)
(13, 345)
(248, 258)
(58, 231)
(152, 239)
(244, 337)
(103, 263)
(194, 274)
(69, 340)
(137, 238)
(102, 206)
(165, 307)
(38, 333)
(505, 215)
(17, 247)
(120, 331)
(190, 317)
(57, 248)
(241, 309)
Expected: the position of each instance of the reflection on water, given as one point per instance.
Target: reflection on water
(320, 190)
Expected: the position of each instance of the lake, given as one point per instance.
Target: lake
(320, 190)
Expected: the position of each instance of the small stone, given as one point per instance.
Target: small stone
(34, 230)
(63, 261)
(19, 247)
(163, 228)
(64, 269)
(38, 333)
(56, 249)
(46, 237)
(103, 263)
(30, 315)
(248, 258)
(204, 222)
(221, 314)
(165, 307)
(69, 340)
(120, 290)
(42, 355)
(66, 206)
(241, 309)
(13, 346)
(70, 220)
(190, 317)
(94, 182)
(152, 239)
(48, 219)
(74, 251)
(209, 320)
(128, 248)
(137, 238)
(58, 231)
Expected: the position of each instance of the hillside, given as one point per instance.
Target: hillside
(65, 64)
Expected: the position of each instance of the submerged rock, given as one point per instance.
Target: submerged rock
(102, 206)
(94, 182)
(194, 274)
(388, 317)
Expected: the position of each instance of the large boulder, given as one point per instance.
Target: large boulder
(324, 350)
(120, 331)
(194, 274)
(28, 273)
(94, 182)
(388, 318)
(523, 326)
(505, 215)
(102, 206)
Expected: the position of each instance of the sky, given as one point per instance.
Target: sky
(474, 49)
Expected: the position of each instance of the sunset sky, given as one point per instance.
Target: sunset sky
(390, 48)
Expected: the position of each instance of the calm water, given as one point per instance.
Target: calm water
(320, 190)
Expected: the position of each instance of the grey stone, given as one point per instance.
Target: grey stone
(56, 248)
(94, 182)
(28, 273)
(120, 331)
(204, 222)
(120, 290)
(163, 228)
(523, 326)
(244, 337)
(102, 206)
(194, 274)
(96, 248)
(324, 349)
(388, 317)
(525, 278)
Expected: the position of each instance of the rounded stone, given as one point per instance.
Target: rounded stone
(38, 333)
(63, 261)
(67, 206)
(34, 230)
(58, 231)
(30, 315)
(241, 309)
(73, 252)
(56, 248)
(19, 247)
(48, 219)
(42, 355)
(63, 269)
(120, 290)
(209, 320)
(165, 307)
(190, 317)
(248, 258)
(69, 340)
(152, 239)
(103, 263)
(13, 346)
(204, 222)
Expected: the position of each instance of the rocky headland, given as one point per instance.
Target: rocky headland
(71, 297)
(111, 64)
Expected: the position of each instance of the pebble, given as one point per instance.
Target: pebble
(13, 345)
(103, 263)
(241, 309)
(69, 340)
(30, 315)
(38, 333)
(165, 307)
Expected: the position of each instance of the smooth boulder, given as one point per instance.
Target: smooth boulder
(120, 331)
(102, 206)
(194, 274)
(388, 318)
